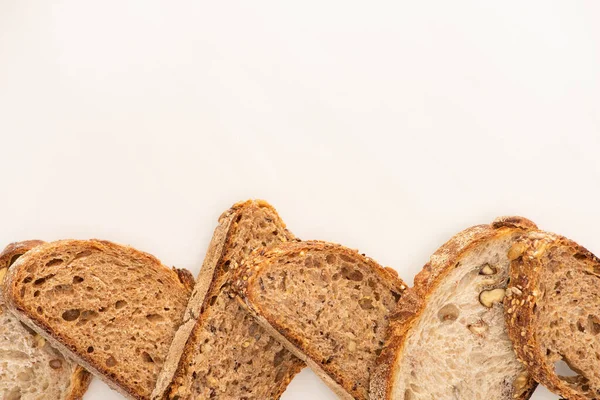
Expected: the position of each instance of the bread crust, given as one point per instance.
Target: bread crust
(412, 304)
(80, 378)
(260, 259)
(208, 284)
(521, 299)
(10, 289)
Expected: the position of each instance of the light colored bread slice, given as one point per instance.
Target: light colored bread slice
(29, 367)
(228, 355)
(111, 308)
(328, 304)
(553, 313)
(448, 338)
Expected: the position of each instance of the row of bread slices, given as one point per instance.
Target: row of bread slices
(494, 311)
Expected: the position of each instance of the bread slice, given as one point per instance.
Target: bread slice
(111, 308)
(228, 355)
(448, 338)
(328, 304)
(30, 367)
(553, 313)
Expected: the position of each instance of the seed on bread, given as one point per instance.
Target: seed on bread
(487, 269)
(490, 297)
(516, 251)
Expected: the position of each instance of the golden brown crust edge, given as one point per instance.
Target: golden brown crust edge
(247, 273)
(80, 378)
(411, 305)
(208, 284)
(10, 290)
(520, 302)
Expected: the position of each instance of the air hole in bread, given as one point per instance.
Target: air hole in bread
(71, 315)
(147, 358)
(28, 329)
(88, 315)
(40, 310)
(55, 364)
(154, 317)
(350, 273)
(13, 259)
(564, 370)
(213, 300)
(279, 356)
(448, 313)
(82, 254)
(226, 265)
(111, 362)
(594, 324)
(63, 288)
(77, 279)
(41, 281)
(36, 293)
(53, 262)
(90, 349)
(120, 304)
(27, 279)
(366, 303)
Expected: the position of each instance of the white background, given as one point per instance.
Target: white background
(387, 127)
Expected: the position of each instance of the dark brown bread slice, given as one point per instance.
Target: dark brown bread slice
(448, 338)
(30, 367)
(111, 308)
(553, 313)
(228, 355)
(328, 304)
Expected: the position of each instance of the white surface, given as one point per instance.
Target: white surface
(387, 127)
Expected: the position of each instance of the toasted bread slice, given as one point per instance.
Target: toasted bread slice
(30, 367)
(111, 308)
(328, 304)
(448, 338)
(222, 352)
(553, 313)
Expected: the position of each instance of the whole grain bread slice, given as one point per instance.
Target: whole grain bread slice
(448, 338)
(29, 366)
(111, 308)
(220, 352)
(328, 304)
(553, 313)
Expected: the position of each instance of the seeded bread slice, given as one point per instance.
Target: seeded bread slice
(222, 352)
(29, 367)
(448, 338)
(111, 308)
(328, 304)
(553, 313)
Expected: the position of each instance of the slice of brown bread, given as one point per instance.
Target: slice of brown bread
(227, 355)
(553, 313)
(448, 338)
(328, 304)
(111, 308)
(29, 367)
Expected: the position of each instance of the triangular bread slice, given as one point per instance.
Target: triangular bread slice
(29, 366)
(220, 352)
(111, 308)
(328, 304)
(553, 313)
(448, 339)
